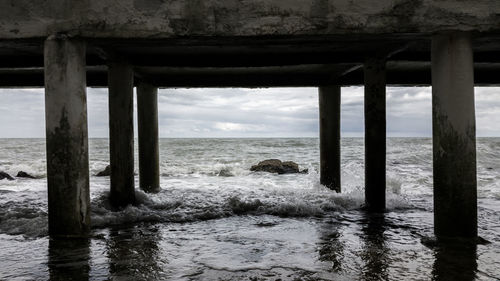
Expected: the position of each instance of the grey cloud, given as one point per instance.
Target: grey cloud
(256, 110)
(22, 113)
(273, 112)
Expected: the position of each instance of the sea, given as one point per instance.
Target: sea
(214, 219)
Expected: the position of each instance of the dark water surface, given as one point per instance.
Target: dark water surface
(249, 226)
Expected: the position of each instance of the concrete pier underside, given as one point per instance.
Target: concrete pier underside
(278, 61)
(191, 43)
(238, 43)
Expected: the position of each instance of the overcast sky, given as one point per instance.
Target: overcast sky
(273, 112)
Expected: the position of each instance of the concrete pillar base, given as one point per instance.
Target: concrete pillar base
(375, 134)
(329, 132)
(454, 136)
(66, 133)
(147, 117)
(121, 133)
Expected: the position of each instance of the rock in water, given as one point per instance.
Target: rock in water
(22, 174)
(105, 173)
(225, 173)
(276, 166)
(290, 167)
(270, 165)
(4, 175)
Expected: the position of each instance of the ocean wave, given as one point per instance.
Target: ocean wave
(18, 218)
(188, 205)
(197, 193)
(179, 206)
(36, 168)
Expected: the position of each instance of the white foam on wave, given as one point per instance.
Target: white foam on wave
(18, 219)
(193, 204)
(236, 168)
(196, 198)
(34, 168)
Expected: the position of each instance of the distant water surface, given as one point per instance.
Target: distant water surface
(252, 226)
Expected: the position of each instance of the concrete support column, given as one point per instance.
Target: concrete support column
(121, 133)
(375, 134)
(454, 136)
(329, 136)
(66, 133)
(147, 117)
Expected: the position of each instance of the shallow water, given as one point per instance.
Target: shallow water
(253, 226)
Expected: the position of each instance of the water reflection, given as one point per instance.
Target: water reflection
(69, 259)
(331, 248)
(375, 253)
(339, 246)
(133, 253)
(455, 260)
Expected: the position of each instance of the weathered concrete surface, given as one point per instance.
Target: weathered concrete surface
(329, 136)
(242, 43)
(375, 134)
(147, 122)
(454, 136)
(121, 133)
(66, 134)
(170, 18)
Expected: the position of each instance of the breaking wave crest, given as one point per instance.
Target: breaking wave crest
(195, 204)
